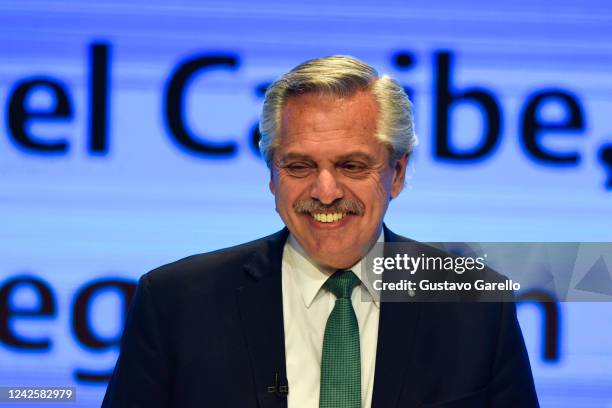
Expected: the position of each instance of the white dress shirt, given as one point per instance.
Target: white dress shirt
(306, 307)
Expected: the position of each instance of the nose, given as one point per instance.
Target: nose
(326, 188)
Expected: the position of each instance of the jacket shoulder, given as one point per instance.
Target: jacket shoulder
(208, 271)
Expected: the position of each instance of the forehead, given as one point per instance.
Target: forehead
(341, 123)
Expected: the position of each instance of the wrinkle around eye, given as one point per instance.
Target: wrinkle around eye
(352, 167)
(355, 169)
(298, 170)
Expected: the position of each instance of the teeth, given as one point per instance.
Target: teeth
(328, 217)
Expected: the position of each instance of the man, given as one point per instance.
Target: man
(277, 322)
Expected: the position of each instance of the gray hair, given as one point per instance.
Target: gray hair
(342, 76)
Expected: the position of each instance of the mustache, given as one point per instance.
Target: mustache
(342, 205)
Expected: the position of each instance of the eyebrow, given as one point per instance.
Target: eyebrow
(295, 156)
(345, 157)
(357, 156)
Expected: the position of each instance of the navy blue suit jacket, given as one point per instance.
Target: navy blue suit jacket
(207, 331)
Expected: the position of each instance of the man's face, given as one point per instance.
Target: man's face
(331, 176)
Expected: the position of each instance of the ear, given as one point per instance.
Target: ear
(271, 183)
(399, 175)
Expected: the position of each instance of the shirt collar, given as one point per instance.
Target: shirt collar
(310, 276)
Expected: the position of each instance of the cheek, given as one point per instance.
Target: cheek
(385, 185)
(380, 190)
(287, 192)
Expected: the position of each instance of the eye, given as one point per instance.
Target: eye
(354, 167)
(299, 169)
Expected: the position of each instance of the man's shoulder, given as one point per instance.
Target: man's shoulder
(443, 251)
(391, 236)
(211, 269)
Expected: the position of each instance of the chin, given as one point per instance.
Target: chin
(336, 259)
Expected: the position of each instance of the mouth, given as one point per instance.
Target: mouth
(327, 218)
(334, 216)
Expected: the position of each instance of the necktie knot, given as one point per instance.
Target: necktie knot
(342, 283)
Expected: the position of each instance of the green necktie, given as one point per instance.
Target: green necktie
(341, 358)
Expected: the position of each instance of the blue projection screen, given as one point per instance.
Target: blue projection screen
(128, 141)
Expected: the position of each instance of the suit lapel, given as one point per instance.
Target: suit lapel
(261, 310)
(396, 330)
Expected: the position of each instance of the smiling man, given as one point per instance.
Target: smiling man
(332, 180)
(287, 321)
